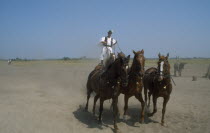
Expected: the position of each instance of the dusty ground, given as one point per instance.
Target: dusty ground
(49, 97)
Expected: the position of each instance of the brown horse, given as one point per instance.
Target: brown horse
(106, 84)
(158, 83)
(135, 82)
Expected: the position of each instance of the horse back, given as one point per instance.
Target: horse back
(149, 78)
(150, 71)
(92, 77)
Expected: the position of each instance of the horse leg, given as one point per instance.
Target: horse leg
(115, 112)
(140, 98)
(145, 94)
(126, 97)
(154, 99)
(88, 97)
(174, 72)
(165, 101)
(149, 99)
(101, 109)
(94, 104)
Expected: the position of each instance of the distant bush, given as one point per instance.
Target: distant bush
(66, 58)
(19, 59)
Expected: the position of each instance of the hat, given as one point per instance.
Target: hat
(110, 31)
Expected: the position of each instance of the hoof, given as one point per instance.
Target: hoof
(141, 121)
(137, 124)
(116, 130)
(94, 112)
(125, 117)
(100, 122)
(163, 124)
(150, 114)
(86, 108)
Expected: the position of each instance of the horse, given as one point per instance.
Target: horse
(157, 82)
(207, 75)
(108, 62)
(135, 82)
(105, 83)
(178, 67)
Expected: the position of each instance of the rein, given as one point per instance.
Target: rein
(136, 74)
(166, 76)
(119, 47)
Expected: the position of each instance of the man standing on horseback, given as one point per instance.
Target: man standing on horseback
(107, 43)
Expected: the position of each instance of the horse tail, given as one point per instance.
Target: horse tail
(88, 86)
(89, 90)
(145, 90)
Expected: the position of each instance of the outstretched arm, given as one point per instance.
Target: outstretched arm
(103, 42)
(115, 42)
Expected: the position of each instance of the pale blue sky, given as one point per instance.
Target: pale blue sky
(56, 28)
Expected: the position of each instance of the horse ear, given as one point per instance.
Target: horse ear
(159, 55)
(121, 60)
(142, 51)
(167, 55)
(134, 52)
(128, 57)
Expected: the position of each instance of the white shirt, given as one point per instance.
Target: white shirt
(109, 39)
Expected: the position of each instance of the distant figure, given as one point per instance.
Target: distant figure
(208, 73)
(9, 61)
(178, 67)
(108, 42)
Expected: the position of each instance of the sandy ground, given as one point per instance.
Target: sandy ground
(50, 97)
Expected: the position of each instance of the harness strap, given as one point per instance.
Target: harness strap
(111, 41)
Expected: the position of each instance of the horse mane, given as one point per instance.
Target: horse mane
(119, 55)
(111, 64)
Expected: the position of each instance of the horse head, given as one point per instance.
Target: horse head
(163, 67)
(139, 62)
(122, 69)
(109, 61)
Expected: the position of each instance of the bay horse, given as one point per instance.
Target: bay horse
(157, 82)
(135, 82)
(106, 84)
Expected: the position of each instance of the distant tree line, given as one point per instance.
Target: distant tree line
(67, 58)
(19, 59)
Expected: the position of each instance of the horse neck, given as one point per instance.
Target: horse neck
(167, 76)
(134, 67)
(111, 73)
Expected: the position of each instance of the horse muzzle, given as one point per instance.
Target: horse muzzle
(160, 78)
(125, 82)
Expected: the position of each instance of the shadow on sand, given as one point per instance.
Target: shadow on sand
(91, 121)
(134, 117)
